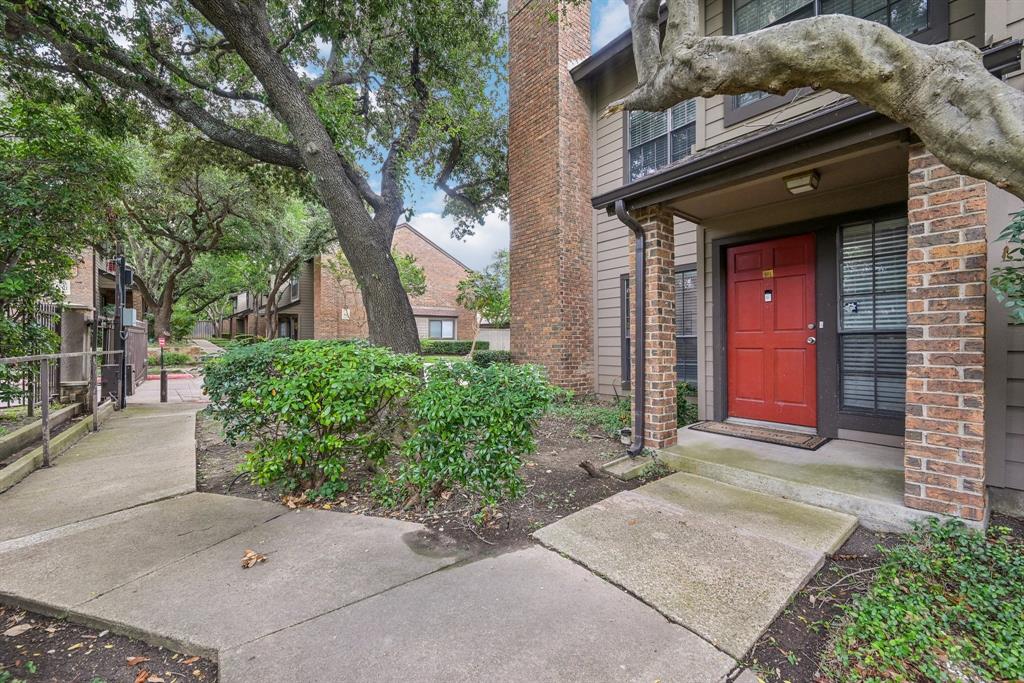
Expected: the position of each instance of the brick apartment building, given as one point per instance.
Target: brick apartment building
(810, 267)
(318, 304)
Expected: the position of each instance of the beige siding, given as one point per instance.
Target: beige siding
(611, 237)
(967, 21)
(305, 305)
(1015, 409)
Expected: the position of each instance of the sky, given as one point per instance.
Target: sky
(608, 18)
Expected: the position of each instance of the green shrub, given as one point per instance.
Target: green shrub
(472, 425)
(686, 404)
(446, 347)
(170, 358)
(315, 410)
(227, 378)
(246, 339)
(324, 406)
(486, 358)
(946, 606)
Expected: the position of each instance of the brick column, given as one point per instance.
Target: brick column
(549, 168)
(946, 286)
(660, 339)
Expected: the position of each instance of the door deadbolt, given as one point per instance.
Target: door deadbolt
(811, 340)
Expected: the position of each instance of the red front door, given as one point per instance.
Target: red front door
(771, 331)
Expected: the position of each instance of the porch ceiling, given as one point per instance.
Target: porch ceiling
(856, 179)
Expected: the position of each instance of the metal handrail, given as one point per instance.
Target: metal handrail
(14, 360)
(44, 381)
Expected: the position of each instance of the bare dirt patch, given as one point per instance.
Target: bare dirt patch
(37, 648)
(555, 486)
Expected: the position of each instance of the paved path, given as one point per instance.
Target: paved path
(720, 560)
(206, 346)
(107, 537)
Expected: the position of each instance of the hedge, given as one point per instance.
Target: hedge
(486, 358)
(445, 347)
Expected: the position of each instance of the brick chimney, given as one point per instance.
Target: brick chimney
(550, 177)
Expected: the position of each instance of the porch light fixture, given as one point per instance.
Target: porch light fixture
(801, 183)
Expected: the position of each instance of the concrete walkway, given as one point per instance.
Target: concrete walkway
(720, 560)
(114, 535)
(206, 346)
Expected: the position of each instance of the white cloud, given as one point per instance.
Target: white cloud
(610, 18)
(477, 250)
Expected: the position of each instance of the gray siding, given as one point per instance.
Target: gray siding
(611, 237)
(1014, 476)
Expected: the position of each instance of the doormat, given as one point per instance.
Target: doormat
(808, 442)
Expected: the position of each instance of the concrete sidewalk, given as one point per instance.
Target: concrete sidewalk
(104, 538)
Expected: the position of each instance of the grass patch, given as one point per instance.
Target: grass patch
(945, 606)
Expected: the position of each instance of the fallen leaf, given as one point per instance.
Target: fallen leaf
(251, 558)
(142, 677)
(76, 646)
(191, 660)
(294, 501)
(133, 661)
(154, 679)
(17, 630)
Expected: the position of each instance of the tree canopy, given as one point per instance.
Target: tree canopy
(348, 93)
(486, 292)
(58, 183)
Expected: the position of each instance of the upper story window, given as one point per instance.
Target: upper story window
(907, 17)
(657, 139)
(293, 287)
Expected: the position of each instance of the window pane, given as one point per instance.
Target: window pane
(683, 141)
(644, 126)
(447, 329)
(908, 16)
(435, 329)
(757, 14)
(648, 157)
(873, 297)
(684, 113)
(686, 302)
(686, 360)
(686, 326)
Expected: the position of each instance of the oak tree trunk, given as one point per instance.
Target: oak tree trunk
(365, 243)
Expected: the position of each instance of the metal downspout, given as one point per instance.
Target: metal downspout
(640, 297)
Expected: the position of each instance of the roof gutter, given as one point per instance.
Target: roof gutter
(640, 299)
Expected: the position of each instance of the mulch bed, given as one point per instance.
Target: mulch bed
(60, 651)
(792, 648)
(54, 431)
(555, 483)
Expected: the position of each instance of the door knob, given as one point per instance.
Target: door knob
(811, 340)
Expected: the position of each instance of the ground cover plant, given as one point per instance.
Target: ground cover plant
(315, 411)
(946, 605)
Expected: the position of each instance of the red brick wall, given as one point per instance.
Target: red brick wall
(443, 273)
(946, 288)
(660, 428)
(550, 187)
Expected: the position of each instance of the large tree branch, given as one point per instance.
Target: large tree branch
(970, 120)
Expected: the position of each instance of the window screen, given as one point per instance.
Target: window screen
(686, 326)
(442, 329)
(903, 16)
(658, 138)
(873, 315)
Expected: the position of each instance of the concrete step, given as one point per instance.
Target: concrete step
(855, 479)
(720, 560)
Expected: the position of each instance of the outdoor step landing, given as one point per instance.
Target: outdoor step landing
(719, 560)
(859, 479)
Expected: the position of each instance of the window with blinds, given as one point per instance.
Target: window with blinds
(903, 16)
(686, 326)
(873, 315)
(657, 139)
